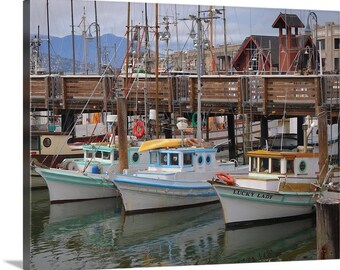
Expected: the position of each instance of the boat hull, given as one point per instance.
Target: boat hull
(74, 186)
(150, 194)
(244, 206)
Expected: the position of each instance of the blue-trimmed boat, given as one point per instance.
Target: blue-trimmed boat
(175, 177)
(89, 177)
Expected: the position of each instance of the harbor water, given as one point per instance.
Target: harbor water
(96, 234)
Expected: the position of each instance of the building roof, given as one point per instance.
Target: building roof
(265, 43)
(287, 20)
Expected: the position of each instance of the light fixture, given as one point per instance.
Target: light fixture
(308, 30)
(307, 50)
(192, 33)
(89, 37)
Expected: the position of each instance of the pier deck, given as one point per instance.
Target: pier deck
(268, 95)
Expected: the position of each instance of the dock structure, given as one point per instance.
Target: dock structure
(258, 95)
(256, 98)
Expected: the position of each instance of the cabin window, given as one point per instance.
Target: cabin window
(275, 165)
(173, 159)
(106, 155)
(164, 158)
(35, 143)
(153, 158)
(264, 165)
(187, 159)
(253, 164)
(290, 166)
(115, 154)
(98, 154)
(135, 157)
(89, 154)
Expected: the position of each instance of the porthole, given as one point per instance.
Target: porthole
(302, 166)
(200, 160)
(47, 142)
(208, 159)
(135, 157)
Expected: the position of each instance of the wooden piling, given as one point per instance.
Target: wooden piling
(327, 228)
(122, 134)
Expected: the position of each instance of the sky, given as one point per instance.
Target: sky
(12, 100)
(112, 18)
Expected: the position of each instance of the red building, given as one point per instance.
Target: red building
(287, 53)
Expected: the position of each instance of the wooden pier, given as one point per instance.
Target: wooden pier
(270, 95)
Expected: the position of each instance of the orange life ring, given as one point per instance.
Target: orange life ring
(139, 129)
(227, 178)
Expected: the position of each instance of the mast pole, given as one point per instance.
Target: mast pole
(156, 73)
(212, 61)
(199, 68)
(97, 38)
(48, 39)
(127, 51)
(73, 50)
(225, 41)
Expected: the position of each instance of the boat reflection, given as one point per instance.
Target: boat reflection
(97, 234)
(269, 242)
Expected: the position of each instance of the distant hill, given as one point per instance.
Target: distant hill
(61, 52)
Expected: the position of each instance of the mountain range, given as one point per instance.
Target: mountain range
(61, 52)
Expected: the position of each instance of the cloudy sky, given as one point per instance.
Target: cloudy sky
(112, 16)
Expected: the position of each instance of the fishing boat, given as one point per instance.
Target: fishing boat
(89, 177)
(175, 177)
(279, 185)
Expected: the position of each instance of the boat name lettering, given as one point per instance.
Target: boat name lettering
(252, 194)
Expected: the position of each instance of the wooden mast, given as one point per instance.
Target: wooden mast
(122, 109)
(126, 90)
(156, 73)
(212, 61)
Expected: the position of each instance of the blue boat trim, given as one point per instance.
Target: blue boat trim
(98, 182)
(134, 182)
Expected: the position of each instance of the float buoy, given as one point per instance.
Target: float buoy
(226, 178)
(139, 129)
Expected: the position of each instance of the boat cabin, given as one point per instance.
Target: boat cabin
(283, 163)
(182, 159)
(101, 158)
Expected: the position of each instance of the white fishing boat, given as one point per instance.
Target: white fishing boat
(89, 177)
(175, 177)
(279, 185)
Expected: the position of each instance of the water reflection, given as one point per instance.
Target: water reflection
(97, 234)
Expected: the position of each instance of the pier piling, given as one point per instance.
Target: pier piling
(327, 228)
